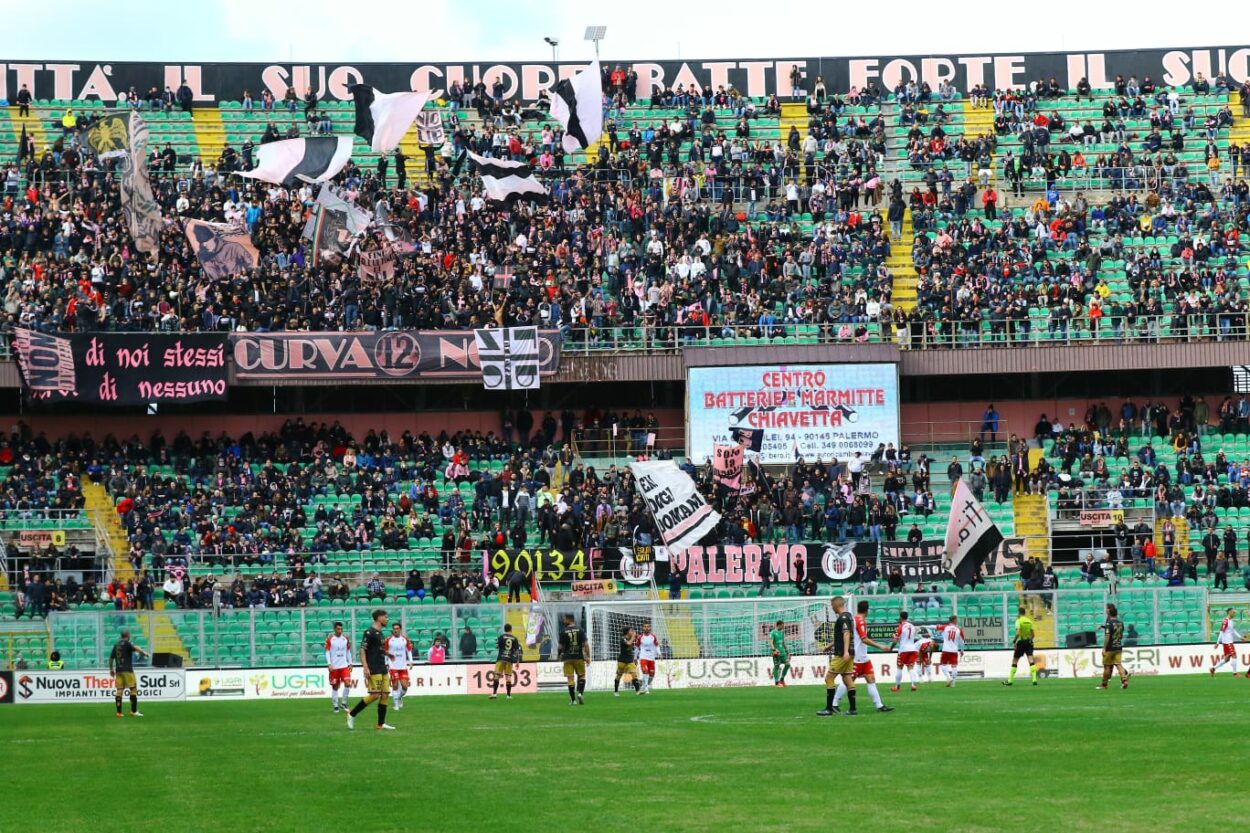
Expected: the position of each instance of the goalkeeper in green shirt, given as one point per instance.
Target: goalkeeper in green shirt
(1024, 648)
(781, 655)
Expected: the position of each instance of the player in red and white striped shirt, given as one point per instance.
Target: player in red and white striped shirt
(339, 663)
(648, 645)
(399, 657)
(924, 658)
(863, 665)
(906, 639)
(1226, 643)
(952, 637)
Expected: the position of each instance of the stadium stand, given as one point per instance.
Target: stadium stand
(930, 219)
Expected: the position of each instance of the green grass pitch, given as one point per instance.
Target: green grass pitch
(1163, 755)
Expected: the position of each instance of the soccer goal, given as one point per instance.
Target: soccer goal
(707, 628)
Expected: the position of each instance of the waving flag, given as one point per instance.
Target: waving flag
(971, 536)
(289, 162)
(577, 104)
(680, 513)
(382, 119)
(506, 183)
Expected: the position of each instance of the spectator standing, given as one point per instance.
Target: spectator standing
(989, 424)
(468, 643)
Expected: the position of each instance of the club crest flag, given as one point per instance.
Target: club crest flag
(971, 536)
(509, 357)
(681, 514)
(727, 465)
(109, 138)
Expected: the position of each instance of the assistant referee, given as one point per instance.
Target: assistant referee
(1024, 648)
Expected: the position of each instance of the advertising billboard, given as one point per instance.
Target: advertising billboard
(810, 411)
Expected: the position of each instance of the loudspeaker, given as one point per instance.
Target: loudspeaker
(1082, 639)
(161, 660)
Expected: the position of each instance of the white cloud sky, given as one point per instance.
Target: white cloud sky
(478, 30)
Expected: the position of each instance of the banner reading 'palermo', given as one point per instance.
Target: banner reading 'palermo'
(392, 356)
(122, 368)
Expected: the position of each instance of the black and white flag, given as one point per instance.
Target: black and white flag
(509, 358)
(971, 535)
(507, 183)
(430, 128)
(292, 161)
(382, 119)
(577, 103)
(681, 514)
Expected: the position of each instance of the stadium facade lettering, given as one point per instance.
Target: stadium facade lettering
(213, 82)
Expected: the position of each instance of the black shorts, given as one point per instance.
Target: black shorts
(1024, 648)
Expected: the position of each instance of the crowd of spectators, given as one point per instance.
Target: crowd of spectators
(1111, 460)
(661, 242)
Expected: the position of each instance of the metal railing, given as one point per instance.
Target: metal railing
(256, 637)
(917, 335)
(22, 518)
(945, 432)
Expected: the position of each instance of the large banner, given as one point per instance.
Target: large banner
(756, 78)
(122, 368)
(92, 686)
(390, 356)
(543, 563)
(734, 564)
(925, 561)
(223, 249)
(680, 513)
(814, 411)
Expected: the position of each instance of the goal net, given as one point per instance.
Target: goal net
(706, 628)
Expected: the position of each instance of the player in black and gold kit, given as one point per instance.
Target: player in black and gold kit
(625, 663)
(509, 651)
(1112, 645)
(122, 667)
(373, 657)
(575, 651)
(841, 659)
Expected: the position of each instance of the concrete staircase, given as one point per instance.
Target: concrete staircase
(903, 293)
(977, 122)
(677, 628)
(794, 114)
(1030, 515)
(1031, 524)
(1181, 545)
(165, 637)
(34, 127)
(210, 133)
(1239, 133)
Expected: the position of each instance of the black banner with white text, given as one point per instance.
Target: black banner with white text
(214, 82)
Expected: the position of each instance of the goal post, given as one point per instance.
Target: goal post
(715, 628)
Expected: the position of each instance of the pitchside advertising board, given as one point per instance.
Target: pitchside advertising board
(813, 411)
(92, 686)
(214, 685)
